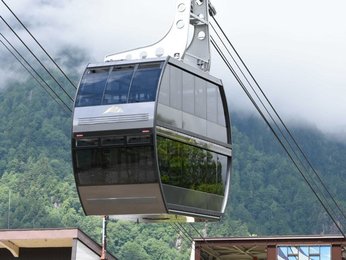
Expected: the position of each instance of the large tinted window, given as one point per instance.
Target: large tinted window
(118, 85)
(190, 102)
(144, 85)
(115, 165)
(92, 86)
(191, 167)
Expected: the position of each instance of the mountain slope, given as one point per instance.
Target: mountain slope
(268, 196)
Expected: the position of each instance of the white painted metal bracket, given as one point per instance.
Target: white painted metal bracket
(191, 19)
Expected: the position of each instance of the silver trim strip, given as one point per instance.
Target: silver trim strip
(113, 119)
(122, 198)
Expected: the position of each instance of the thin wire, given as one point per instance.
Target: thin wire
(39, 44)
(187, 235)
(275, 134)
(50, 74)
(278, 116)
(284, 136)
(207, 244)
(64, 107)
(37, 74)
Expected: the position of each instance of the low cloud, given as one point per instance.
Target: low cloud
(298, 58)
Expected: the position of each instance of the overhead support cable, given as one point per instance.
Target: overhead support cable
(56, 98)
(187, 234)
(307, 166)
(290, 135)
(299, 159)
(39, 61)
(327, 209)
(38, 43)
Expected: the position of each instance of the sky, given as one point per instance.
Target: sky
(295, 49)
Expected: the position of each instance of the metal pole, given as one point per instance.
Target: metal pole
(9, 208)
(104, 238)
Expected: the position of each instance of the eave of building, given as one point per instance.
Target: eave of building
(13, 240)
(248, 248)
(334, 239)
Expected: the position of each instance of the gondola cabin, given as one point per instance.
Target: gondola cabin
(151, 140)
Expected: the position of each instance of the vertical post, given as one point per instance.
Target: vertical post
(336, 252)
(271, 252)
(104, 238)
(9, 209)
(197, 251)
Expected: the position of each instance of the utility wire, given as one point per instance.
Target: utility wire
(183, 231)
(320, 181)
(37, 74)
(281, 131)
(50, 74)
(275, 134)
(212, 252)
(64, 107)
(277, 115)
(39, 44)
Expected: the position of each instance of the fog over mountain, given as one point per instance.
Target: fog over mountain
(295, 49)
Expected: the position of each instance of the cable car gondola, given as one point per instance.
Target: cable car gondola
(151, 138)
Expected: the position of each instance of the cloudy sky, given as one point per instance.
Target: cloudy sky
(295, 49)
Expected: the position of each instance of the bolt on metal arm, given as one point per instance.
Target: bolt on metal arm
(191, 19)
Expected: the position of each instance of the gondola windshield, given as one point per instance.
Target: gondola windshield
(118, 85)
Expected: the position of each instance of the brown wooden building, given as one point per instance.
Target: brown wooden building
(51, 244)
(271, 248)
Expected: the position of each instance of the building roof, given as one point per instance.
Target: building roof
(242, 248)
(13, 240)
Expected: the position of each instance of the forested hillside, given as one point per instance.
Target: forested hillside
(267, 196)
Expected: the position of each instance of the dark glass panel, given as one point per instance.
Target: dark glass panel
(115, 165)
(118, 85)
(113, 140)
(188, 93)
(141, 139)
(176, 84)
(145, 81)
(190, 167)
(179, 198)
(87, 142)
(212, 94)
(92, 86)
(200, 98)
